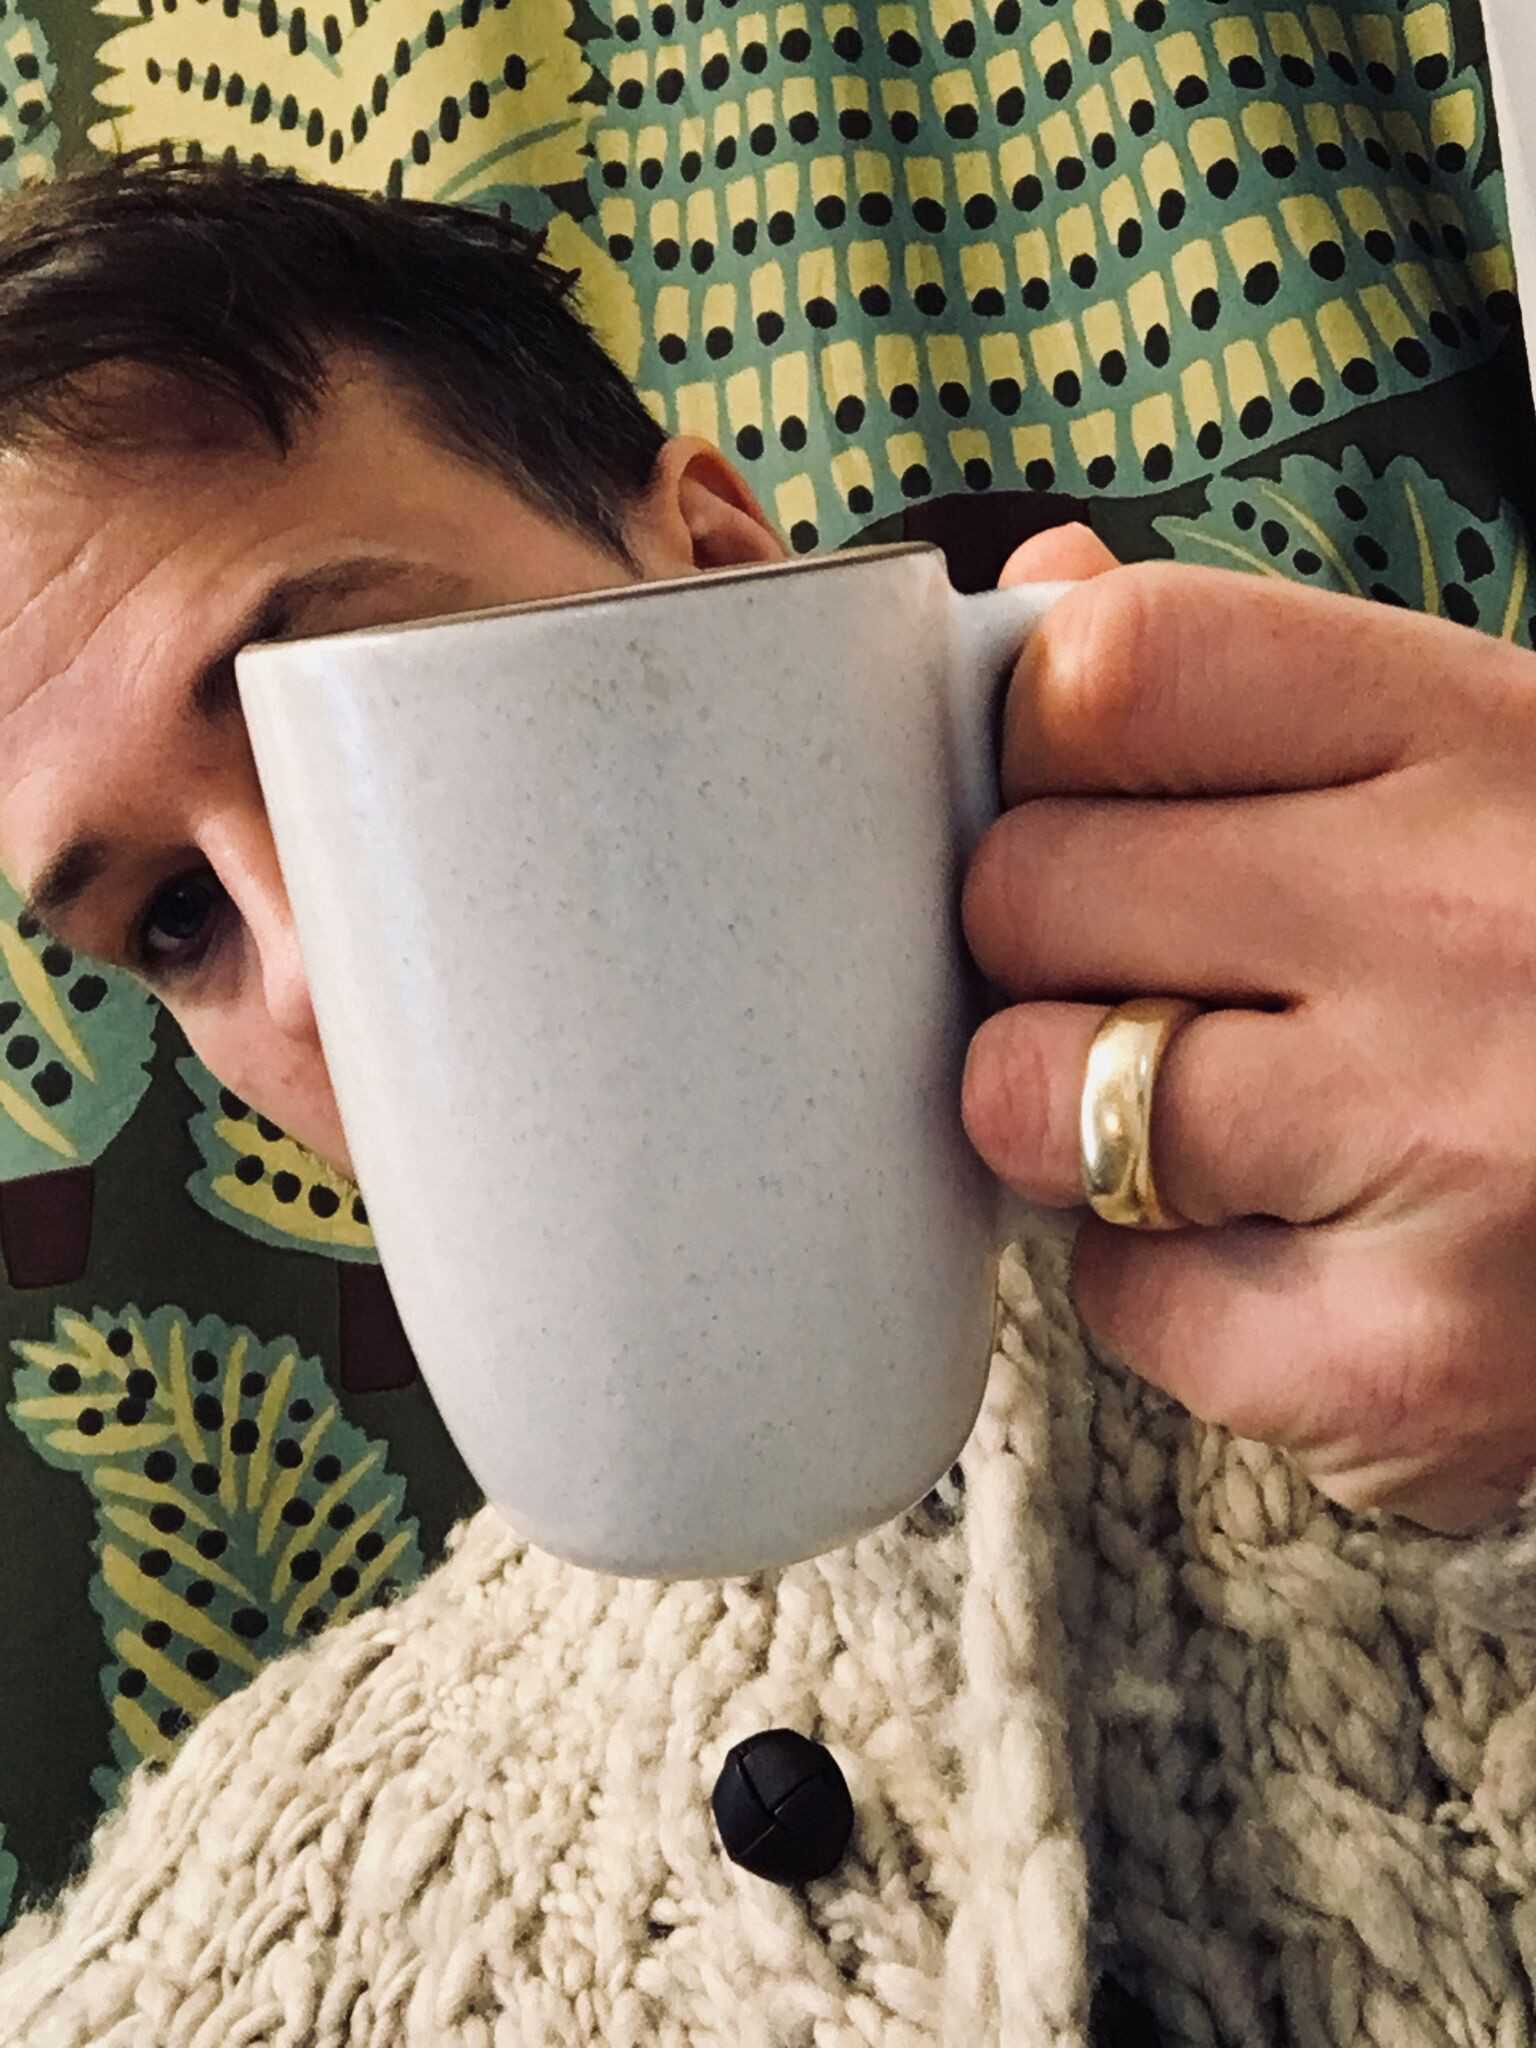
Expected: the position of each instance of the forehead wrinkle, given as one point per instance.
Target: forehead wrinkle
(16, 623)
(57, 761)
(121, 511)
(133, 668)
(58, 668)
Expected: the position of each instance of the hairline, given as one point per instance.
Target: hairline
(342, 362)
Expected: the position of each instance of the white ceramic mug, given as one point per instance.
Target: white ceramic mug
(632, 927)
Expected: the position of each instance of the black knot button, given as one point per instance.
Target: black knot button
(783, 1808)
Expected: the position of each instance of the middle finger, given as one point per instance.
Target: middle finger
(1224, 900)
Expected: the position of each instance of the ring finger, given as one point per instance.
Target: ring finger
(1253, 1114)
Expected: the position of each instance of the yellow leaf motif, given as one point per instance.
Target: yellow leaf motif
(441, 105)
(29, 133)
(35, 990)
(236, 1507)
(32, 1121)
(1397, 535)
(260, 1181)
(283, 1163)
(605, 297)
(76, 1043)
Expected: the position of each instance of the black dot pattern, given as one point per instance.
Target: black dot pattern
(923, 249)
(279, 1185)
(1399, 537)
(483, 65)
(226, 1477)
(1173, 174)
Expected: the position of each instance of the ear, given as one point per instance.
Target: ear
(699, 514)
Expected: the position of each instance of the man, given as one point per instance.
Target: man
(235, 407)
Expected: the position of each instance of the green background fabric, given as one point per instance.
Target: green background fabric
(1229, 279)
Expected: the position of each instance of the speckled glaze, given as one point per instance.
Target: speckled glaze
(632, 925)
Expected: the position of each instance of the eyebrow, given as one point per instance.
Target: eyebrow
(71, 873)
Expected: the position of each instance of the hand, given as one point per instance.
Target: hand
(1318, 816)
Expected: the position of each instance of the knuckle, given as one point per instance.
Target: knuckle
(1107, 661)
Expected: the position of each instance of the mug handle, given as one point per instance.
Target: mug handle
(988, 632)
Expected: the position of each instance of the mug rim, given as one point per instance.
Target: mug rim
(622, 593)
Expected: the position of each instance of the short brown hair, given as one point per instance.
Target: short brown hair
(240, 285)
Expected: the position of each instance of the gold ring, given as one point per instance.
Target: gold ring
(1115, 1122)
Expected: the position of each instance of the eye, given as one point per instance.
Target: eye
(179, 924)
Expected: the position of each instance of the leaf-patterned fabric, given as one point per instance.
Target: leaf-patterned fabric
(233, 1504)
(1228, 277)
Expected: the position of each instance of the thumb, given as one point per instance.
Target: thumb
(1063, 554)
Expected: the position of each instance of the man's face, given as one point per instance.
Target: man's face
(125, 590)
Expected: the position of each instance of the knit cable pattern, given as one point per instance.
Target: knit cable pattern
(1304, 1761)
(480, 1818)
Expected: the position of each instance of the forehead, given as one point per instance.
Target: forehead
(121, 579)
(361, 459)
(105, 573)
(76, 546)
(108, 559)
(95, 508)
(119, 575)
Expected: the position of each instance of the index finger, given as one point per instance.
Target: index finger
(1167, 680)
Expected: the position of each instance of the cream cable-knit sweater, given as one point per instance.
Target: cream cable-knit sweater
(1305, 1805)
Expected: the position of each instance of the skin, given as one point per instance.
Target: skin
(116, 594)
(1318, 817)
